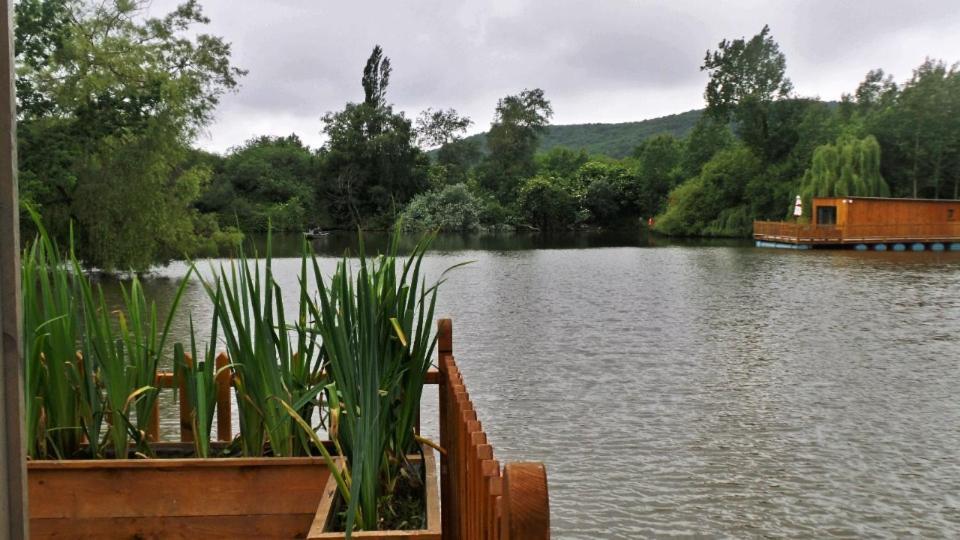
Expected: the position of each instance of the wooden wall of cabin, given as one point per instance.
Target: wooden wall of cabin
(908, 212)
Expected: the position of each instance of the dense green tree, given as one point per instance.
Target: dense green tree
(561, 161)
(267, 182)
(371, 164)
(713, 203)
(109, 102)
(611, 193)
(452, 209)
(708, 137)
(546, 205)
(746, 78)
(660, 170)
(436, 128)
(512, 142)
(443, 130)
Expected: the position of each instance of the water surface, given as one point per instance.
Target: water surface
(718, 390)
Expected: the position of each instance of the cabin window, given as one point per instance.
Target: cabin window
(826, 215)
(951, 214)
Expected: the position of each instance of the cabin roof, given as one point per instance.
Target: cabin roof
(891, 199)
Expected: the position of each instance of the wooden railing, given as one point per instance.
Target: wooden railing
(796, 232)
(779, 231)
(480, 499)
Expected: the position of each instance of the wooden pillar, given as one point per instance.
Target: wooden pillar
(13, 468)
(186, 411)
(445, 349)
(224, 407)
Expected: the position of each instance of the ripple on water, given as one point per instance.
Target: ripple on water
(722, 392)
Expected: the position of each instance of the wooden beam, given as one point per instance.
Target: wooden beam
(13, 470)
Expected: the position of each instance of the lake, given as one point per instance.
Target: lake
(701, 389)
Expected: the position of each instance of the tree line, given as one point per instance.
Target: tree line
(111, 103)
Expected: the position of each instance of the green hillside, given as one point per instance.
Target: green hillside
(614, 140)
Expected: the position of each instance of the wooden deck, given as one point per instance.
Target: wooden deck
(827, 235)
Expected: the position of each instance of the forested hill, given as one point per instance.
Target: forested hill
(614, 140)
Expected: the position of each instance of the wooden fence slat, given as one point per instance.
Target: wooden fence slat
(224, 405)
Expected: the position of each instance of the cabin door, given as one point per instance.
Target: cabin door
(826, 215)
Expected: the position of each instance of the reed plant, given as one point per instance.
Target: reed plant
(121, 350)
(376, 327)
(86, 363)
(277, 366)
(199, 375)
(51, 330)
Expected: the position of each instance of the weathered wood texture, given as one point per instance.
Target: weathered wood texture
(213, 498)
(867, 219)
(13, 473)
(481, 500)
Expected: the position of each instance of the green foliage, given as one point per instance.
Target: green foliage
(87, 361)
(276, 365)
(452, 209)
(268, 182)
(561, 161)
(708, 137)
(851, 167)
(743, 71)
(375, 325)
(659, 170)
(713, 203)
(546, 205)
(438, 128)
(371, 165)
(108, 101)
(746, 78)
(512, 142)
(51, 332)
(200, 384)
(918, 129)
(616, 140)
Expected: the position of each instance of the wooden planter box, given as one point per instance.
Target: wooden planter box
(324, 515)
(176, 498)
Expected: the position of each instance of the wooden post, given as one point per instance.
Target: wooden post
(153, 427)
(526, 505)
(224, 407)
(186, 413)
(444, 349)
(13, 468)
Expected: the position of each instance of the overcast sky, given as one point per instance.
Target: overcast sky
(597, 60)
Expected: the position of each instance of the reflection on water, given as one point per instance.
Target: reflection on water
(712, 390)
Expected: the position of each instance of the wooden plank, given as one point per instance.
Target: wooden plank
(434, 530)
(266, 526)
(13, 474)
(176, 487)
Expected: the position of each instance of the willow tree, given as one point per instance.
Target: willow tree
(850, 167)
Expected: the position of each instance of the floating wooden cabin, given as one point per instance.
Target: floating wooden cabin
(862, 222)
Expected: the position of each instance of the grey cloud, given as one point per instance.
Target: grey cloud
(599, 60)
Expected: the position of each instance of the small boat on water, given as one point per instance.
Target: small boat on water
(315, 232)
